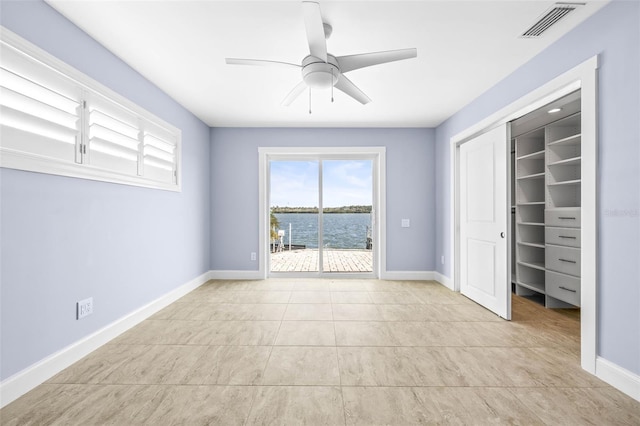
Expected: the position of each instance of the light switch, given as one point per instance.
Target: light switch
(405, 223)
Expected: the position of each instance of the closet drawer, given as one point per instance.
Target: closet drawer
(563, 287)
(562, 259)
(567, 217)
(562, 236)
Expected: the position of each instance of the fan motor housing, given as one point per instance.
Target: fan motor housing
(318, 74)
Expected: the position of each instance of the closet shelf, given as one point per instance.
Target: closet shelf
(535, 287)
(566, 182)
(534, 265)
(533, 176)
(531, 244)
(532, 203)
(570, 140)
(531, 223)
(575, 161)
(532, 156)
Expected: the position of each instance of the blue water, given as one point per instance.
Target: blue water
(341, 230)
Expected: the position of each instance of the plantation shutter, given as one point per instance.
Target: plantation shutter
(54, 119)
(160, 154)
(114, 136)
(40, 114)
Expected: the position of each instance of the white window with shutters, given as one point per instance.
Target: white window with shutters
(54, 119)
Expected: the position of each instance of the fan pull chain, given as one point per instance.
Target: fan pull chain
(331, 84)
(309, 100)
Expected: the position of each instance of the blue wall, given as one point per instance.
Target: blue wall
(614, 34)
(66, 239)
(410, 190)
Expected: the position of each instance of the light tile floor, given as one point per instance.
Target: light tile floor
(332, 352)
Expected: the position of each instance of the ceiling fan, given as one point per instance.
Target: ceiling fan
(322, 70)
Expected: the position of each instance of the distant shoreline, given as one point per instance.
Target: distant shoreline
(343, 209)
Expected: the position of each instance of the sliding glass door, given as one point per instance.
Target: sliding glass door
(321, 216)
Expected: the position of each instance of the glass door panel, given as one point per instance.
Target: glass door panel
(293, 201)
(346, 216)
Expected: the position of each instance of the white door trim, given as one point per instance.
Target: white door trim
(584, 77)
(377, 154)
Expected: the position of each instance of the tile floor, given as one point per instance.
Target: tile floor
(332, 352)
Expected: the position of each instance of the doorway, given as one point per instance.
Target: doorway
(321, 211)
(320, 216)
(583, 78)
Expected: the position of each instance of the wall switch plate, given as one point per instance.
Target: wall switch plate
(253, 255)
(84, 308)
(405, 223)
(442, 259)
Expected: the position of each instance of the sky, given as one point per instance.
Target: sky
(345, 183)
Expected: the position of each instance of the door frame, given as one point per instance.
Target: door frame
(378, 157)
(583, 77)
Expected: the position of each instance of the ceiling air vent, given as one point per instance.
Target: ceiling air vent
(550, 17)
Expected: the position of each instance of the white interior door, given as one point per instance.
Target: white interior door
(483, 221)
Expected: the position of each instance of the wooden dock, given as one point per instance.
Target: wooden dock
(333, 261)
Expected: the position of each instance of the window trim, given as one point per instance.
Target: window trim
(32, 162)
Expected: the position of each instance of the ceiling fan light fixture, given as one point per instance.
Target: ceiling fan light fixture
(320, 76)
(322, 70)
(320, 79)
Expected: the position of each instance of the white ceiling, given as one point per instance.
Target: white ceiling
(464, 48)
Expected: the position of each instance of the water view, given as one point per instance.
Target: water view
(340, 230)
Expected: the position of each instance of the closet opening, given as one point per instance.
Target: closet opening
(552, 191)
(546, 165)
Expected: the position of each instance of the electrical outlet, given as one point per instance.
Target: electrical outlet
(405, 223)
(253, 255)
(84, 308)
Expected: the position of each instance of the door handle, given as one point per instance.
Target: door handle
(502, 235)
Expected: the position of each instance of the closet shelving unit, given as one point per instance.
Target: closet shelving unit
(547, 216)
(562, 214)
(530, 204)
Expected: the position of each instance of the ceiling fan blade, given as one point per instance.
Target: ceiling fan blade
(354, 62)
(345, 85)
(259, 62)
(297, 91)
(315, 29)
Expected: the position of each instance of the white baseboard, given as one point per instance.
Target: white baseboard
(443, 279)
(407, 275)
(236, 275)
(621, 379)
(22, 382)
